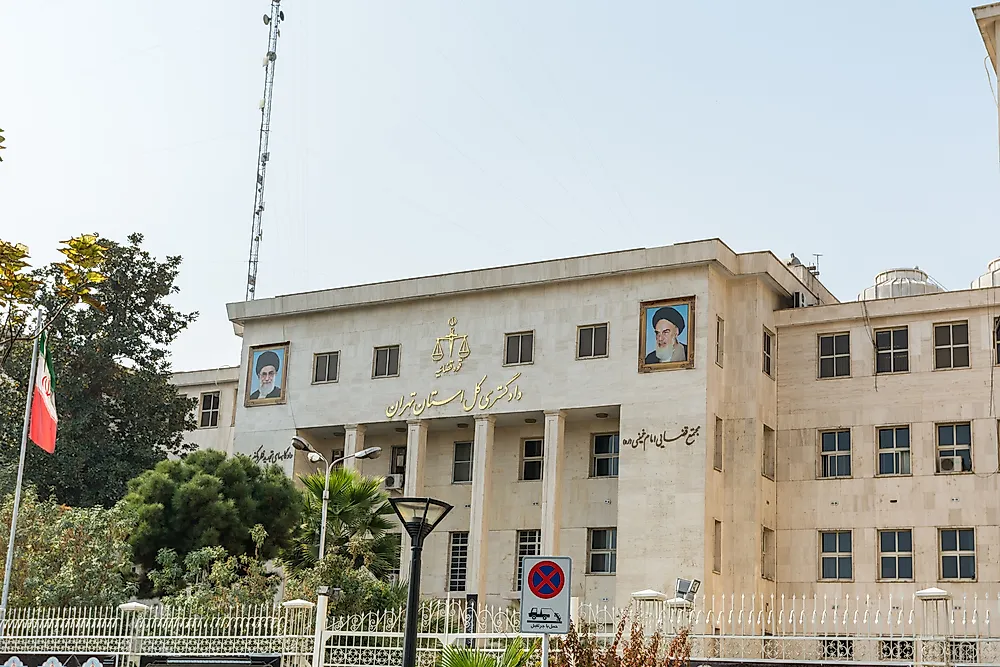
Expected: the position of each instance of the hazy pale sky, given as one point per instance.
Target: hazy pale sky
(424, 137)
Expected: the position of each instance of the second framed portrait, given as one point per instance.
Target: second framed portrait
(666, 335)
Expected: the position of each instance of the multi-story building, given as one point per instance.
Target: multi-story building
(216, 391)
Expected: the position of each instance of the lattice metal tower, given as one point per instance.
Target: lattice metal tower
(273, 21)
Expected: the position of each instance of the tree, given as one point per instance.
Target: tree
(211, 500)
(360, 591)
(69, 556)
(118, 412)
(358, 523)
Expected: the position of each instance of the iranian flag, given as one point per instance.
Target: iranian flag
(43, 403)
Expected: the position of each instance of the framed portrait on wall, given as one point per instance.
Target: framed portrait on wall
(666, 335)
(267, 374)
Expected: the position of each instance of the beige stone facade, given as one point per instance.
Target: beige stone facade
(215, 390)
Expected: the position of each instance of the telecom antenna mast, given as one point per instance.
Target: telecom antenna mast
(272, 21)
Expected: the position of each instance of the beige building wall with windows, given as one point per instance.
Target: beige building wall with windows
(214, 390)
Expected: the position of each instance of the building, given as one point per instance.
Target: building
(215, 390)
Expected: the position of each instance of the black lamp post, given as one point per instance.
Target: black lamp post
(419, 517)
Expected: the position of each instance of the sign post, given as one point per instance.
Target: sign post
(545, 598)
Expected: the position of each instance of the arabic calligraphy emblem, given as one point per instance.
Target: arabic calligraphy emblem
(453, 365)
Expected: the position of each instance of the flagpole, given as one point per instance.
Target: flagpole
(20, 470)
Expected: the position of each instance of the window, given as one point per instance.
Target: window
(770, 455)
(720, 340)
(335, 455)
(718, 454)
(394, 572)
(385, 363)
(894, 450)
(325, 367)
(462, 467)
(602, 554)
(954, 445)
(397, 464)
(605, 459)
(951, 345)
(591, 341)
(958, 553)
(717, 548)
(996, 340)
(209, 417)
(768, 352)
(458, 561)
(835, 355)
(835, 454)
(236, 400)
(895, 554)
(892, 350)
(768, 554)
(531, 460)
(529, 543)
(836, 561)
(518, 348)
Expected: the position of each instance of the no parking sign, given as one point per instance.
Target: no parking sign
(545, 595)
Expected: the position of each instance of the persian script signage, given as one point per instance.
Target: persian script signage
(484, 401)
(688, 433)
(268, 456)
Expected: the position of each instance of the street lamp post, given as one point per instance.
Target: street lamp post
(315, 457)
(419, 517)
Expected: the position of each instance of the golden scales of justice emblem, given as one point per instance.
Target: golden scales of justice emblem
(463, 350)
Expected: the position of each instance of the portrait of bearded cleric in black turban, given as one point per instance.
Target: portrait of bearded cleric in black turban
(666, 335)
(266, 374)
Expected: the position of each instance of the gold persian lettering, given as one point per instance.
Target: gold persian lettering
(411, 405)
(689, 433)
(453, 365)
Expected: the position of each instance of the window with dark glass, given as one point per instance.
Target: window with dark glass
(531, 459)
(894, 450)
(892, 350)
(895, 554)
(458, 561)
(958, 553)
(209, 408)
(996, 340)
(951, 345)
(529, 543)
(385, 362)
(835, 355)
(836, 555)
(518, 348)
(462, 465)
(325, 367)
(592, 341)
(954, 447)
(768, 352)
(603, 550)
(604, 462)
(835, 453)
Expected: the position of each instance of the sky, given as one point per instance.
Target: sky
(413, 138)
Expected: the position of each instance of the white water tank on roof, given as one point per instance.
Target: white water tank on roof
(900, 282)
(991, 278)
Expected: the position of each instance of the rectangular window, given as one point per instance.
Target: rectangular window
(768, 353)
(462, 466)
(385, 362)
(717, 548)
(720, 340)
(592, 341)
(209, 408)
(458, 561)
(531, 459)
(518, 348)
(958, 553)
(335, 455)
(770, 453)
(397, 464)
(954, 447)
(529, 543)
(836, 560)
(602, 553)
(718, 453)
(996, 340)
(894, 450)
(768, 554)
(951, 345)
(326, 367)
(892, 350)
(835, 454)
(895, 555)
(835, 355)
(397, 538)
(604, 462)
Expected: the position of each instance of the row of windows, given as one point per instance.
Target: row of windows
(603, 460)
(602, 554)
(519, 348)
(953, 445)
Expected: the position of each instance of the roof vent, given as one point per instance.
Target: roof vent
(900, 282)
(991, 278)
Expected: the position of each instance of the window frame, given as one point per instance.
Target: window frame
(768, 350)
(768, 561)
(769, 453)
(717, 546)
(455, 462)
(336, 372)
(720, 341)
(612, 551)
(593, 336)
(519, 557)
(530, 459)
(393, 468)
(595, 457)
(958, 553)
(837, 555)
(835, 452)
(217, 409)
(894, 450)
(996, 341)
(834, 356)
(951, 346)
(463, 558)
(719, 445)
(399, 354)
(953, 447)
(892, 350)
(520, 349)
(897, 554)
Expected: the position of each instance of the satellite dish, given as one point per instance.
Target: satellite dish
(267, 20)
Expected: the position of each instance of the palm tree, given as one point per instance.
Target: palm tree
(359, 518)
(516, 655)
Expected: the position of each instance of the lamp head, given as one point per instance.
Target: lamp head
(314, 457)
(369, 453)
(419, 516)
(301, 444)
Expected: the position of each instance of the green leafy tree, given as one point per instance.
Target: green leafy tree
(69, 556)
(118, 412)
(360, 591)
(210, 500)
(359, 519)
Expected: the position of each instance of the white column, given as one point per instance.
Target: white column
(354, 442)
(413, 483)
(552, 473)
(482, 456)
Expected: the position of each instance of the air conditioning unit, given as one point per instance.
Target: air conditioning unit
(394, 482)
(950, 464)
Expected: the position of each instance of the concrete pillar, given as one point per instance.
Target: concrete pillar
(552, 478)
(416, 452)
(482, 457)
(354, 442)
